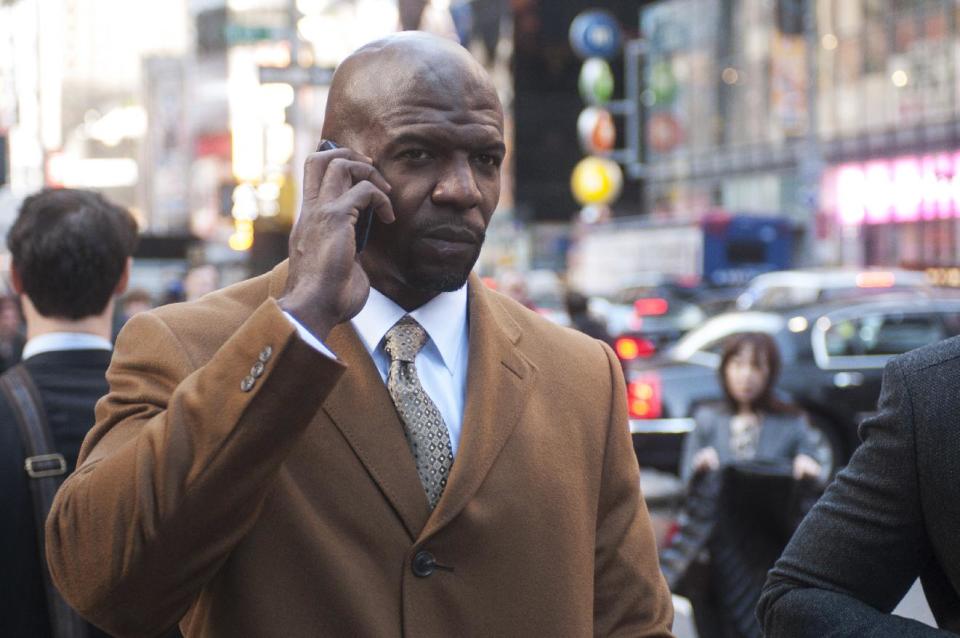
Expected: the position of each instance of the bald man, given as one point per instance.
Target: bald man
(366, 444)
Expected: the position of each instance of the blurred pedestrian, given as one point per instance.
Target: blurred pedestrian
(581, 319)
(70, 256)
(199, 281)
(137, 300)
(890, 516)
(300, 454)
(750, 425)
(12, 338)
(514, 285)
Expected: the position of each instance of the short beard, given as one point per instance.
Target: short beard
(439, 282)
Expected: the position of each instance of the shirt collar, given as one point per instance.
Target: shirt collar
(53, 341)
(444, 318)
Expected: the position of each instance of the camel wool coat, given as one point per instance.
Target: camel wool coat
(291, 506)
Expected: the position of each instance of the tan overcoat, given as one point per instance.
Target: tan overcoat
(292, 507)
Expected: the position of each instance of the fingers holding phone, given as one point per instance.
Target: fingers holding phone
(325, 284)
(365, 215)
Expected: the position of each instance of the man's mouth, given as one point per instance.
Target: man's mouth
(451, 235)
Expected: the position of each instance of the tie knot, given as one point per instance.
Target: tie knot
(405, 339)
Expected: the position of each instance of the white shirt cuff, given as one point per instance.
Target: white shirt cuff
(307, 336)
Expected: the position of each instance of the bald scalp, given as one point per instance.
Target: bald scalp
(379, 76)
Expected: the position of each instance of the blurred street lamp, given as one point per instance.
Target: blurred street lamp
(596, 130)
(596, 81)
(242, 237)
(596, 180)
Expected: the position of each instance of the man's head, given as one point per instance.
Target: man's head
(427, 114)
(70, 251)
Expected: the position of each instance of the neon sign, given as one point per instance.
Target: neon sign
(901, 189)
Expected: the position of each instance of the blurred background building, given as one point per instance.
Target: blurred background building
(839, 114)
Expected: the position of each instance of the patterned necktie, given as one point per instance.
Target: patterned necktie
(427, 434)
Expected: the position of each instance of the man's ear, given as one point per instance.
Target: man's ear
(15, 280)
(124, 278)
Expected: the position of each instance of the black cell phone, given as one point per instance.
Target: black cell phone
(365, 221)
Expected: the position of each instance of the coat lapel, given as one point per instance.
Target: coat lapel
(362, 410)
(498, 379)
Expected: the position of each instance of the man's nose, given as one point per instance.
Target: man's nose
(457, 186)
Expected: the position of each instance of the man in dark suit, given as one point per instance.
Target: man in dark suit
(368, 444)
(70, 255)
(891, 515)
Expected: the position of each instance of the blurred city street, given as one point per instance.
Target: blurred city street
(680, 175)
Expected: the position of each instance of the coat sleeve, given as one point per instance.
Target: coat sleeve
(700, 437)
(176, 469)
(630, 594)
(861, 547)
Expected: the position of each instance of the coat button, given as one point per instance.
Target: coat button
(257, 370)
(265, 354)
(423, 564)
(247, 384)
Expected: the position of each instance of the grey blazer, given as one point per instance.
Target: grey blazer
(891, 515)
(782, 436)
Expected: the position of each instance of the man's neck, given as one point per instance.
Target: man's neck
(100, 325)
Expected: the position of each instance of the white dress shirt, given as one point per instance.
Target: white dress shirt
(441, 364)
(53, 341)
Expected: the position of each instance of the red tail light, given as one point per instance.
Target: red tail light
(651, 307)
(630, 348)
(644, 397)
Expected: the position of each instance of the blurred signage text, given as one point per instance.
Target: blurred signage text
(900, 189)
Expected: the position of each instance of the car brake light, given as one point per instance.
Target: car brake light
(643, 397)
(651, 306)
(630, 348)
(875, 280)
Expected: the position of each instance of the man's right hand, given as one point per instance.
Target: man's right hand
(325, 284)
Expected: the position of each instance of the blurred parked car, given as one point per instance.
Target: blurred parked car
(645, 319)
(794, 288)
(833, 355)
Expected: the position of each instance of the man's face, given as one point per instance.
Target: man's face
(441, 151)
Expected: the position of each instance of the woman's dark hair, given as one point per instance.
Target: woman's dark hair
(764, 351)
(70, 248)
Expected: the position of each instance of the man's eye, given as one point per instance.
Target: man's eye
(488, 160)
(415, 154)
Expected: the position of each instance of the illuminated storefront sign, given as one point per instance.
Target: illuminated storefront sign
(901, 189)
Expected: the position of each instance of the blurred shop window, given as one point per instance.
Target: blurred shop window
(885, 63)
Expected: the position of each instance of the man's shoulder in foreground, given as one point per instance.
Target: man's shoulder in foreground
(231, 304)
(541, 333)
(934, 355)
(200, 327)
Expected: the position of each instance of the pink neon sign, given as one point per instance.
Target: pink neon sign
(902, 189)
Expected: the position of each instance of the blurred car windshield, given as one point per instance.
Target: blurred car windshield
(704, 345)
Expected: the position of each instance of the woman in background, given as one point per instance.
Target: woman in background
(752, 424)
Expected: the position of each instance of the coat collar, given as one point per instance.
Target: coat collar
(499, 377)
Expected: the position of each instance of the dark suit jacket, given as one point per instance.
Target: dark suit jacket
(891, 515)
(70, 382)
(288, 504)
